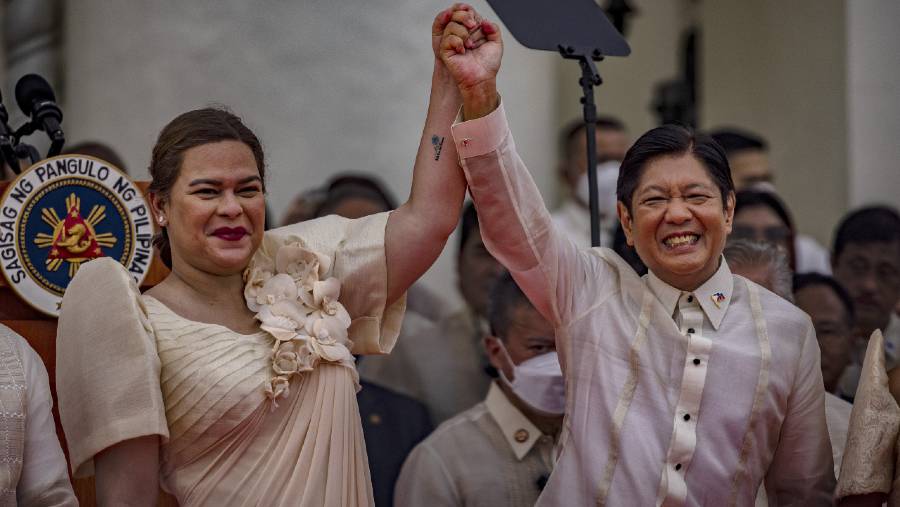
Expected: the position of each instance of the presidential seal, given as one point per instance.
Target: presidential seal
(65, 211)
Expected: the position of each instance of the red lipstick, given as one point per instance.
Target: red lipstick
(230, 234)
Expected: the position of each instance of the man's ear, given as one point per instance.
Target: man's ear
(730, 203)
(492, 347)
(627, 223)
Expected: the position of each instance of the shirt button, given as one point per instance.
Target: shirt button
(678, 467)
(466, 141)
(521, 435)
(375, 419)
(690, 299)
(687, 417)
(690, 330)
(697, 361)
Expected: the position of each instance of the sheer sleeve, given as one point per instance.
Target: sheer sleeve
(356, 249)
(107, 372)
(868, 465)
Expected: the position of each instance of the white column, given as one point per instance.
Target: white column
(873, 101)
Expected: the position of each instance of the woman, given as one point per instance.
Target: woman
(761, 216)
(182, 388)
(689, 386)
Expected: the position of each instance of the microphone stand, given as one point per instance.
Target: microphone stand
(7, 143)
(590, 77)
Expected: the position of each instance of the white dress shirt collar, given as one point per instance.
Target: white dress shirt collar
(519, 431)
(713, 296)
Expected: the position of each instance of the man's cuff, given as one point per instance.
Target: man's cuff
(481, 135)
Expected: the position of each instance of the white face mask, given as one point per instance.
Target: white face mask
(538, 382)
(607, 176)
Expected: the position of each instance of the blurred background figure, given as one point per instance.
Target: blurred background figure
(303, 206)
(99, 150)
(747, 155)
(762, 217)
(763, 263)
(500, 452)
(831, 310)
(443, 365)
(767, 265)
(356, 195)
(392, 426)
(752, 174)
(866, 261)
(573, 215)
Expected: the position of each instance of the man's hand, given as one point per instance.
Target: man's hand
(471, 50)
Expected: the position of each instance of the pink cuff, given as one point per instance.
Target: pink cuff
(481, 135)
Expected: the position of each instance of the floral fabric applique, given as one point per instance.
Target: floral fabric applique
(298, 304)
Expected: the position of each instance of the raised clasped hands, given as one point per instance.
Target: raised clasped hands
(470, 48)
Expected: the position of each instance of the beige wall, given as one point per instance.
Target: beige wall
(778, 68)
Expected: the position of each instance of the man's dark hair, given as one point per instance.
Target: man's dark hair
(468, 225)
(505, 297)
(872, 224)
(668, 141)
(576, 127)
(358, 186)
(803, 280)
(733, 140)
(751, 198)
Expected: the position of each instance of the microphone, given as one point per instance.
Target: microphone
(7, 145)
(36, 99)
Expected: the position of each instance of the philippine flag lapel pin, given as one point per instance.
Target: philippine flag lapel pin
(718, 298)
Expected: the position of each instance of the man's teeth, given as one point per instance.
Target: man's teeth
(682, 240)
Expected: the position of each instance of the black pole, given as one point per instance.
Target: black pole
(590, 77)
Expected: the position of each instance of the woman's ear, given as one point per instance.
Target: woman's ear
(625, 220)
(157, 207)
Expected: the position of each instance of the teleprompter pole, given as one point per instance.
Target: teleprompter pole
(590, 77)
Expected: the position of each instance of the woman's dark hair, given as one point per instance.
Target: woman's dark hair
(672, 141)
(186, 131)
(746, 199)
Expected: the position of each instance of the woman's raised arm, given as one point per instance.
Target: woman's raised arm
(417, 231)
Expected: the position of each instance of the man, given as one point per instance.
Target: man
(866, 261)
(767, 265)
(499, 452)
(32, 464)
(748, 156)
(573, 216)
(687, 387)
(392, 426)
(831, 309)
(443, 365)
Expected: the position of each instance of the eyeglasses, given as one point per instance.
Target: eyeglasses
(773, 234)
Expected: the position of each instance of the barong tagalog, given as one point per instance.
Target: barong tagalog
(62, 212)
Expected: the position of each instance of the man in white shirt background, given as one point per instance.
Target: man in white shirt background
(866, 261)
(573, 216)
(498, 453)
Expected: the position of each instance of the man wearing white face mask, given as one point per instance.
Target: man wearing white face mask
(501, 451)
(573, 215)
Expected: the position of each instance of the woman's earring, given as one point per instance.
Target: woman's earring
(161, 220)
